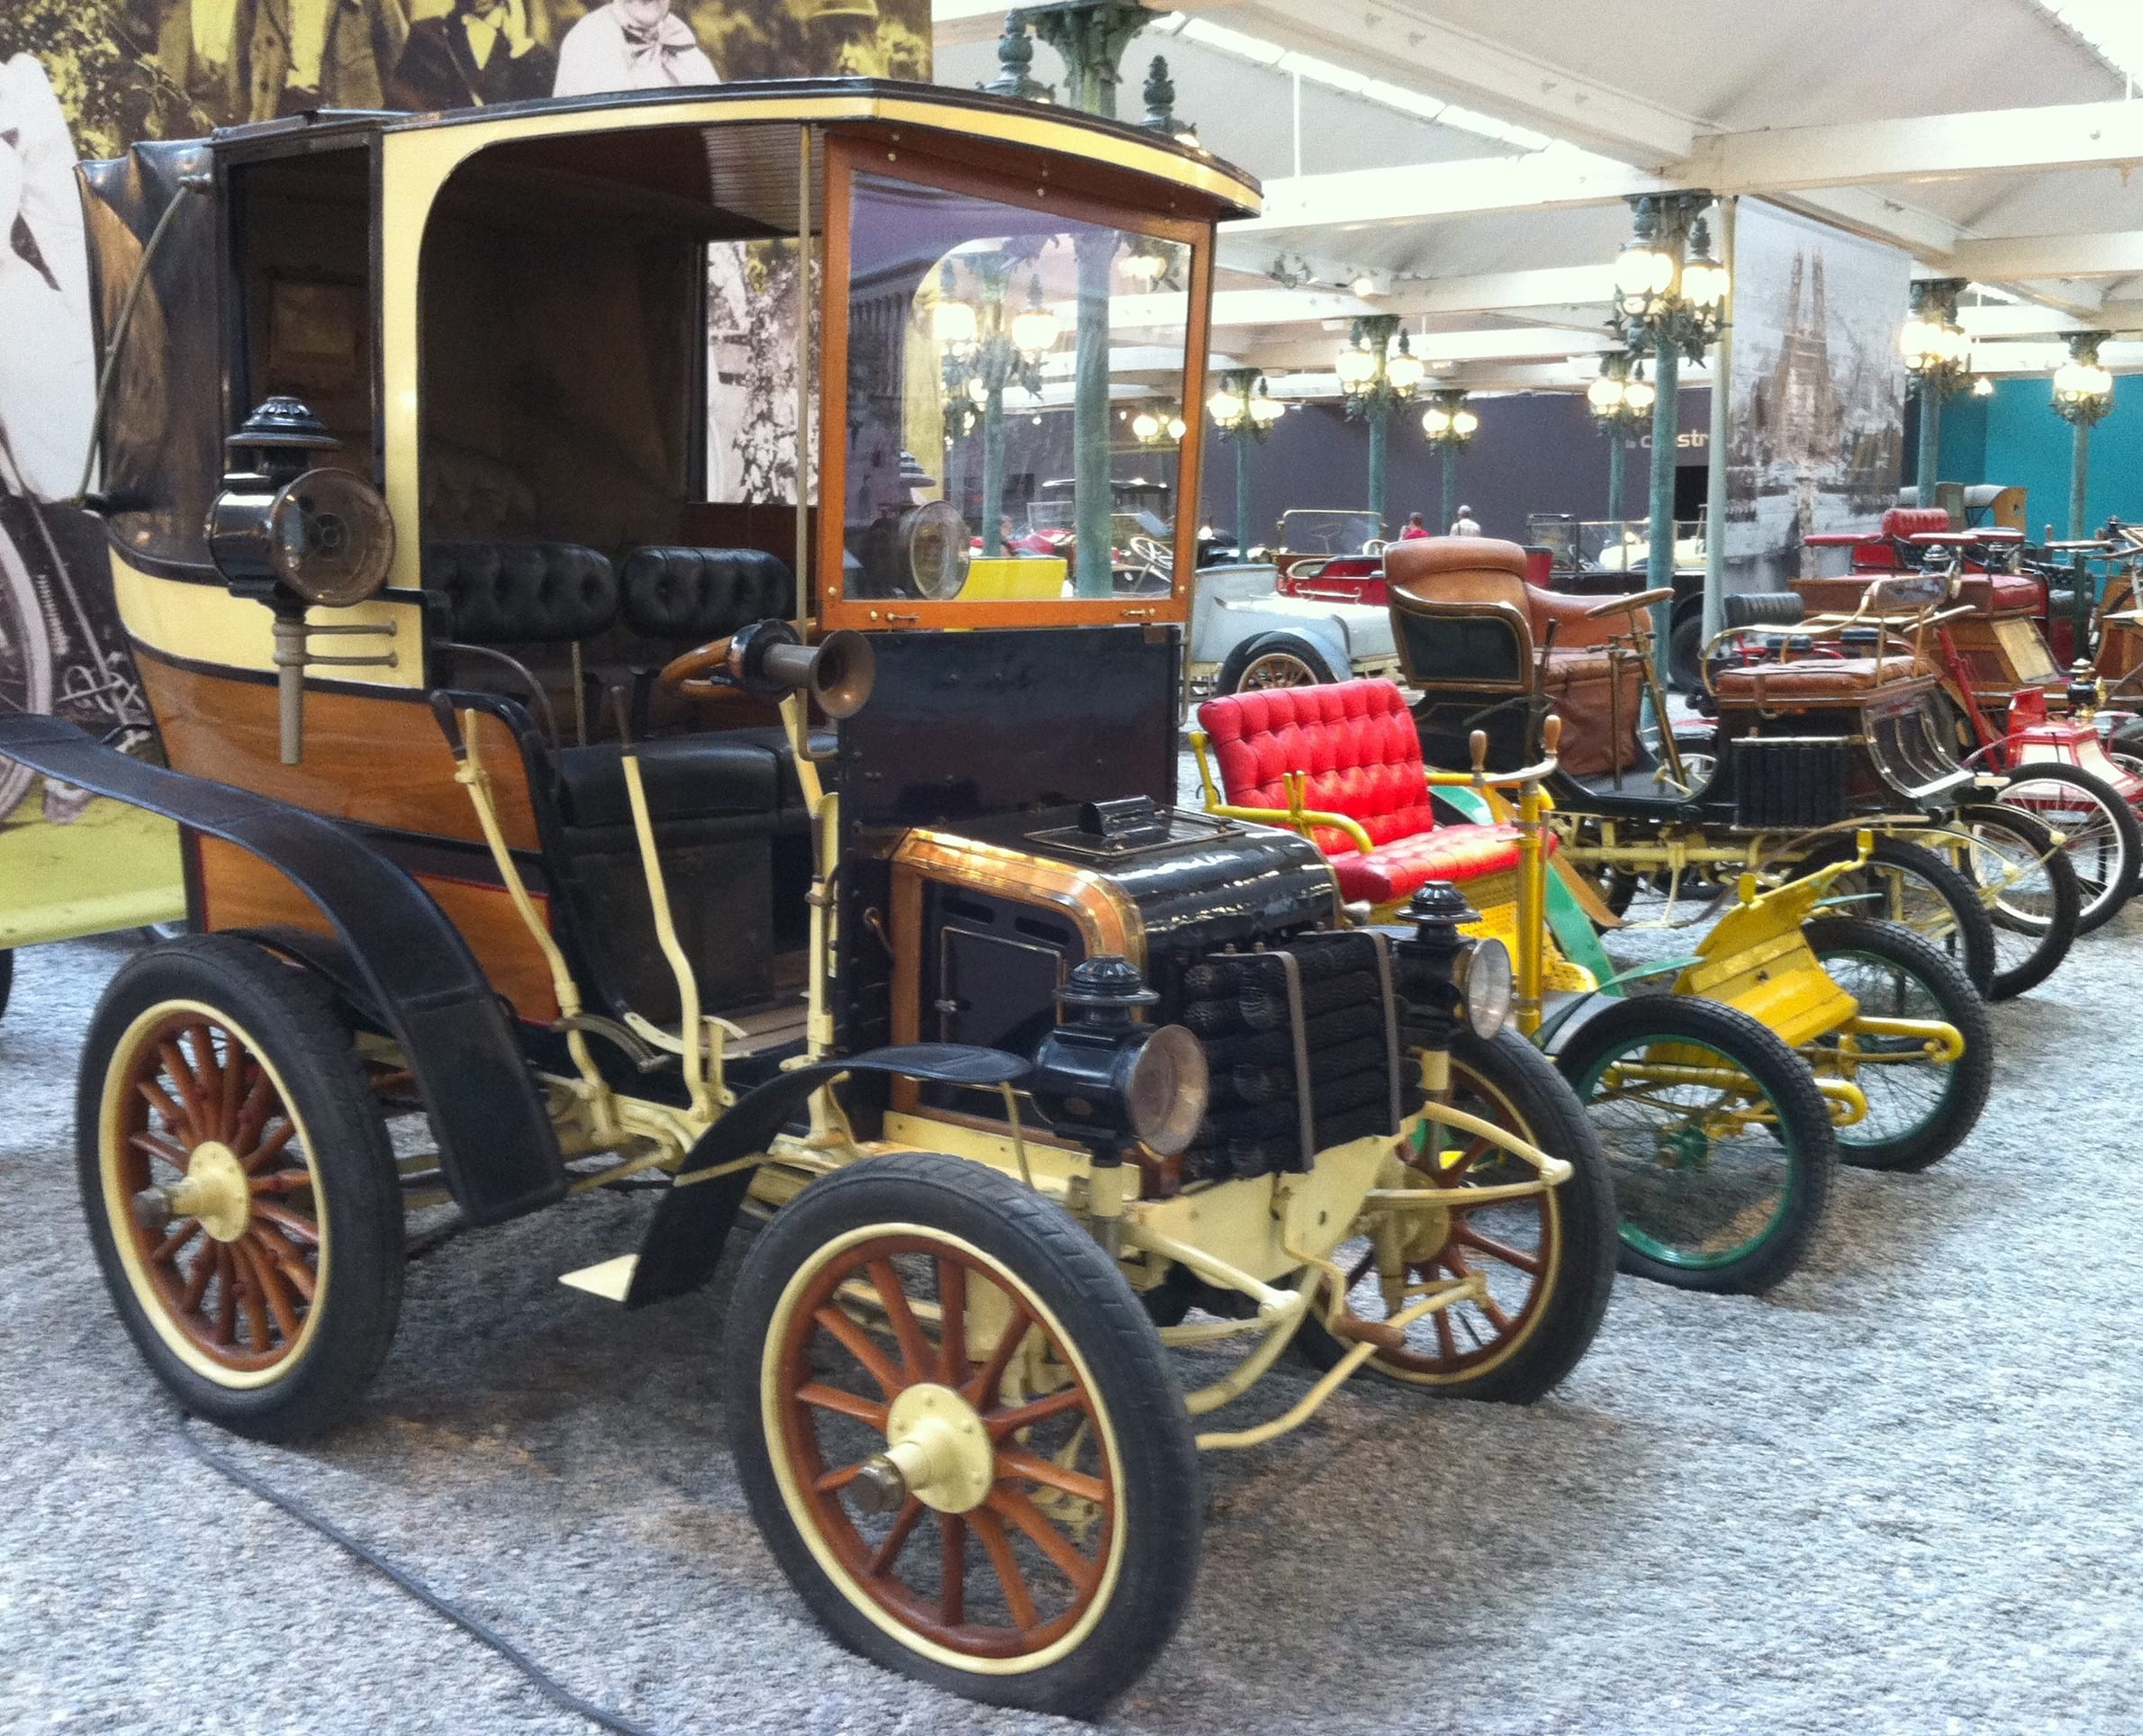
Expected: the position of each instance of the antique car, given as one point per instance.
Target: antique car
(780, 858)
(1804, 751)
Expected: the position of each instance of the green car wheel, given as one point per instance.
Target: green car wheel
(1719, 1144)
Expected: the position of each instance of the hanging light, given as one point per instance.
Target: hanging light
(2082, 387)
(1404, 369)
(1263, 410)
(1704, 278)
(1604, 395)
(952, 321)
(1641, 394)
(1145, 425)
(1937, 351)
(1435, 421)
(1355, 367)
(1983, 386)
(1465, 424)
(1224, 406)
(1034, 330)
(1177, 427)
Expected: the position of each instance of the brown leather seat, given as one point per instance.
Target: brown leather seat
(1837, 681)
(1591, 690)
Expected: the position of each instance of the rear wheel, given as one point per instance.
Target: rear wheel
(1719, 1144)
(2101, 835)
(2028, 884)
(241, 1190)
(961, 1435)
(1545, 1261)
(1906, 883)
(1919, 1108)
(1274, 660)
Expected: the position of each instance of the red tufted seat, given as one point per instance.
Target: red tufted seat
(1356, 742)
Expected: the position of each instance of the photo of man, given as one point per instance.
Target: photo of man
(481, 52)
(632, 45)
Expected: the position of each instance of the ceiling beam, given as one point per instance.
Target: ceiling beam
(1400, 40)
(1414, 193)
(2118, 254)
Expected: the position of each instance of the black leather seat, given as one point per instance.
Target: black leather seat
(686, 778)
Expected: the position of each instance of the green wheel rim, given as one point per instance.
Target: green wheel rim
(1901, 1099)
(1676, 1164)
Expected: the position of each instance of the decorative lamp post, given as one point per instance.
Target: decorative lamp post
(1243, 411)
(1669, 302)
(1937, 355)
(1015, 55)
(982, 352)
(1621, 400)
(2083, 393)
(1377, 379)
(1451, 428)
(1160, 107)
(1161, 424)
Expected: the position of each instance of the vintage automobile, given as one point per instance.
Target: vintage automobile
(1804, 752)
(490, 738)
(1246, 634)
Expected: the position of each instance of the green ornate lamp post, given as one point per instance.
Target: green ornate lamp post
(985, 351)
(1937, 355)
(1092, 35)
(1670, 301)
(1015, 55)
(1243, 411)
(1377, 379)
(1621, 401)
(2083, 394)
(1451, 428)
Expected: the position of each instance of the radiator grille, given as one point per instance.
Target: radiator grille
(1302, 1040)
(1783, 782)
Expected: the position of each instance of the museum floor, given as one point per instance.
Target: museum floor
(1895, 1494)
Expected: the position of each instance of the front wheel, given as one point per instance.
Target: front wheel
(1274, 660)
(2028, 886)
(961, 1435)
(1719, 1143)
(239, 1186)
(1545, 1261)
(1919, 1108)
(2100, 833)
(1905, 883)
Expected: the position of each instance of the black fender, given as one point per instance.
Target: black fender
(497, 1149)
(684, 1242)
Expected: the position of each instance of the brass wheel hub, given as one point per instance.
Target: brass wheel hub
(216, 1192)
(936, 1441)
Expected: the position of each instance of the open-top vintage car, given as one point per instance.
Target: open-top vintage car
(491, 735)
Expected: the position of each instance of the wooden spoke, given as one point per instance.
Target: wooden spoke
(833, 1480)
(1494, 1309)
(181, 1075)
(951, 1321)
(160, 1099)
(892, 1296)
(822, 1396)
(984, 1386)
(233, 1083)
(272, 1146)
(226, 1296)
(154, 1146)
(1018, 1599)
(1011, 1504)
(298, 1229)
(167, 1249)
(271, 1245)
(1464, 1232)
(857, 1342)
(281, 1181)
(253, 1111)
(204, 1268)
(952, 1569)
(890, 1544)
(251, 1295)
(1445, 1342)
(1020, 1416)
(208, 1073)
(1012, 1461)
(267, 1282)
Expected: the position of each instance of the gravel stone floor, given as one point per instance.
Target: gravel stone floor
(1896, 1495)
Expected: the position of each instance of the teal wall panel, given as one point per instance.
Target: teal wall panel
(2015, 440)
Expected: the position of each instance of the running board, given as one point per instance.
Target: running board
(609, 1279)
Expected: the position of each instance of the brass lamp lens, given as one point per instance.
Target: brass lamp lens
(330, 538)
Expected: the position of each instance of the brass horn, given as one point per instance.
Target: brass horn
(768, 661)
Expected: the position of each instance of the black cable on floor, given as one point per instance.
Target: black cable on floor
(552, 1689)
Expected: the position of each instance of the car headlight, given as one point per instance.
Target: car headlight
(933, 539)
(1167, 1090)
(1483, 972)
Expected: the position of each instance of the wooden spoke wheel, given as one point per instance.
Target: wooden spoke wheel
(239, 1186)
(1542, 1264)
(960, 1433)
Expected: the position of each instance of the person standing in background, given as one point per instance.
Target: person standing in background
(1465, 524)
(631, 45)
(1413, 527)
(481, 52)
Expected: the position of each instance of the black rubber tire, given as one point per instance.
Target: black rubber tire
(1685, 652)
(1972, 942)
(1159, 1475)
(7, 979)
(296, 1029)
(1971, 1075)
(1550, 1116)
(1803, 1127)
(2100, 906)
(1292, 645)
(2025, 966)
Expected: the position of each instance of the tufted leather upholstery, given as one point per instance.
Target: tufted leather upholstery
(521, 592)
(704, 593)
(1902, 521)
(1357, 742)
(1838, 680)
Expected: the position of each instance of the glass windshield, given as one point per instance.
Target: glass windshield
(1313, 532)
(1015, 383)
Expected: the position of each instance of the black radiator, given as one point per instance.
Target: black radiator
(1302, 1040)
(1789, 782)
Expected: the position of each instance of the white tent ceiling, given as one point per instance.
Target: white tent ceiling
(1990, 139)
